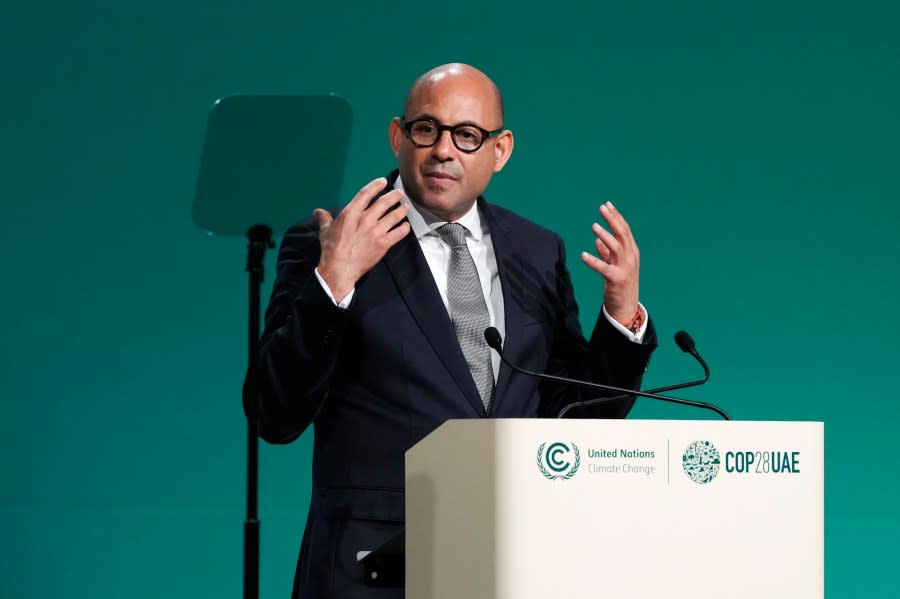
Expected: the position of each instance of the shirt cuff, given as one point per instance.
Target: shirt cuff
(345, 303)
(634, 337)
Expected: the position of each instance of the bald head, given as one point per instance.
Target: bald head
(458, 76)
(438, 175)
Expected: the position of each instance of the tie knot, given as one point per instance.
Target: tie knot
(453, 233)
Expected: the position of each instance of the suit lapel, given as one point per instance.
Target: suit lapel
(406, 263)
(505, 250)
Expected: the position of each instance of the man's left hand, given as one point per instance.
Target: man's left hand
(619, 264)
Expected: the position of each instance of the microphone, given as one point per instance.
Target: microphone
(684, 341)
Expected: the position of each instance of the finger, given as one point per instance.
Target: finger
(621, 228)
(616, 222)
(396, 234)
(390, 220)
(624, 229)
(611, 242)
(596, 264)
(362, 198)
(386, 203)
(603, 250)
(324, 218)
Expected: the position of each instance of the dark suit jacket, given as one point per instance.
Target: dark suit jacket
(377, 378)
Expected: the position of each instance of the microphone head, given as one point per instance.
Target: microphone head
(684, 341)
(493, 338)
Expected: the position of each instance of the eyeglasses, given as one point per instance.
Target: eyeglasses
(467, 138)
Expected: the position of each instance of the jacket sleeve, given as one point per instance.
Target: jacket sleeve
(608, 358)
(300, 344)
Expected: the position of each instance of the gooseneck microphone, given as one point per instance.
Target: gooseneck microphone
(684, 341)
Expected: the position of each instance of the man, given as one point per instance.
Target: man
(374, 330)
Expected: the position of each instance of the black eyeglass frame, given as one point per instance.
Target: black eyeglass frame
(485, 134)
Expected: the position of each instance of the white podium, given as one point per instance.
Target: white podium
(537, 509)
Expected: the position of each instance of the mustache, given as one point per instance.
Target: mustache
(442, 170)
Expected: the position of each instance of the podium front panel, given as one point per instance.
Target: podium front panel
(522, 509)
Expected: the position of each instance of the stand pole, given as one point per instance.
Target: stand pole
(259, 239)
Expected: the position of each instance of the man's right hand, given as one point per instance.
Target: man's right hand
(360, 236)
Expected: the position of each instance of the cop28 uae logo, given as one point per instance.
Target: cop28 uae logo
(561, 460)
(701, 462)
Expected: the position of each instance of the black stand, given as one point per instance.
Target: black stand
(267, 159)
(259, 239)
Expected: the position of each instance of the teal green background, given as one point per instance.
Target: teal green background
(752, 146)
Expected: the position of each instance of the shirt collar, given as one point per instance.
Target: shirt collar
(425, 223)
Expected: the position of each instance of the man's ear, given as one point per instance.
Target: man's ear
(503, 147)
(395, 135)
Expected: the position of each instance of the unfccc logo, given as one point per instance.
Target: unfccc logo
(562, 461)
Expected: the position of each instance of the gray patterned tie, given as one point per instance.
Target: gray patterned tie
(468, 310)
